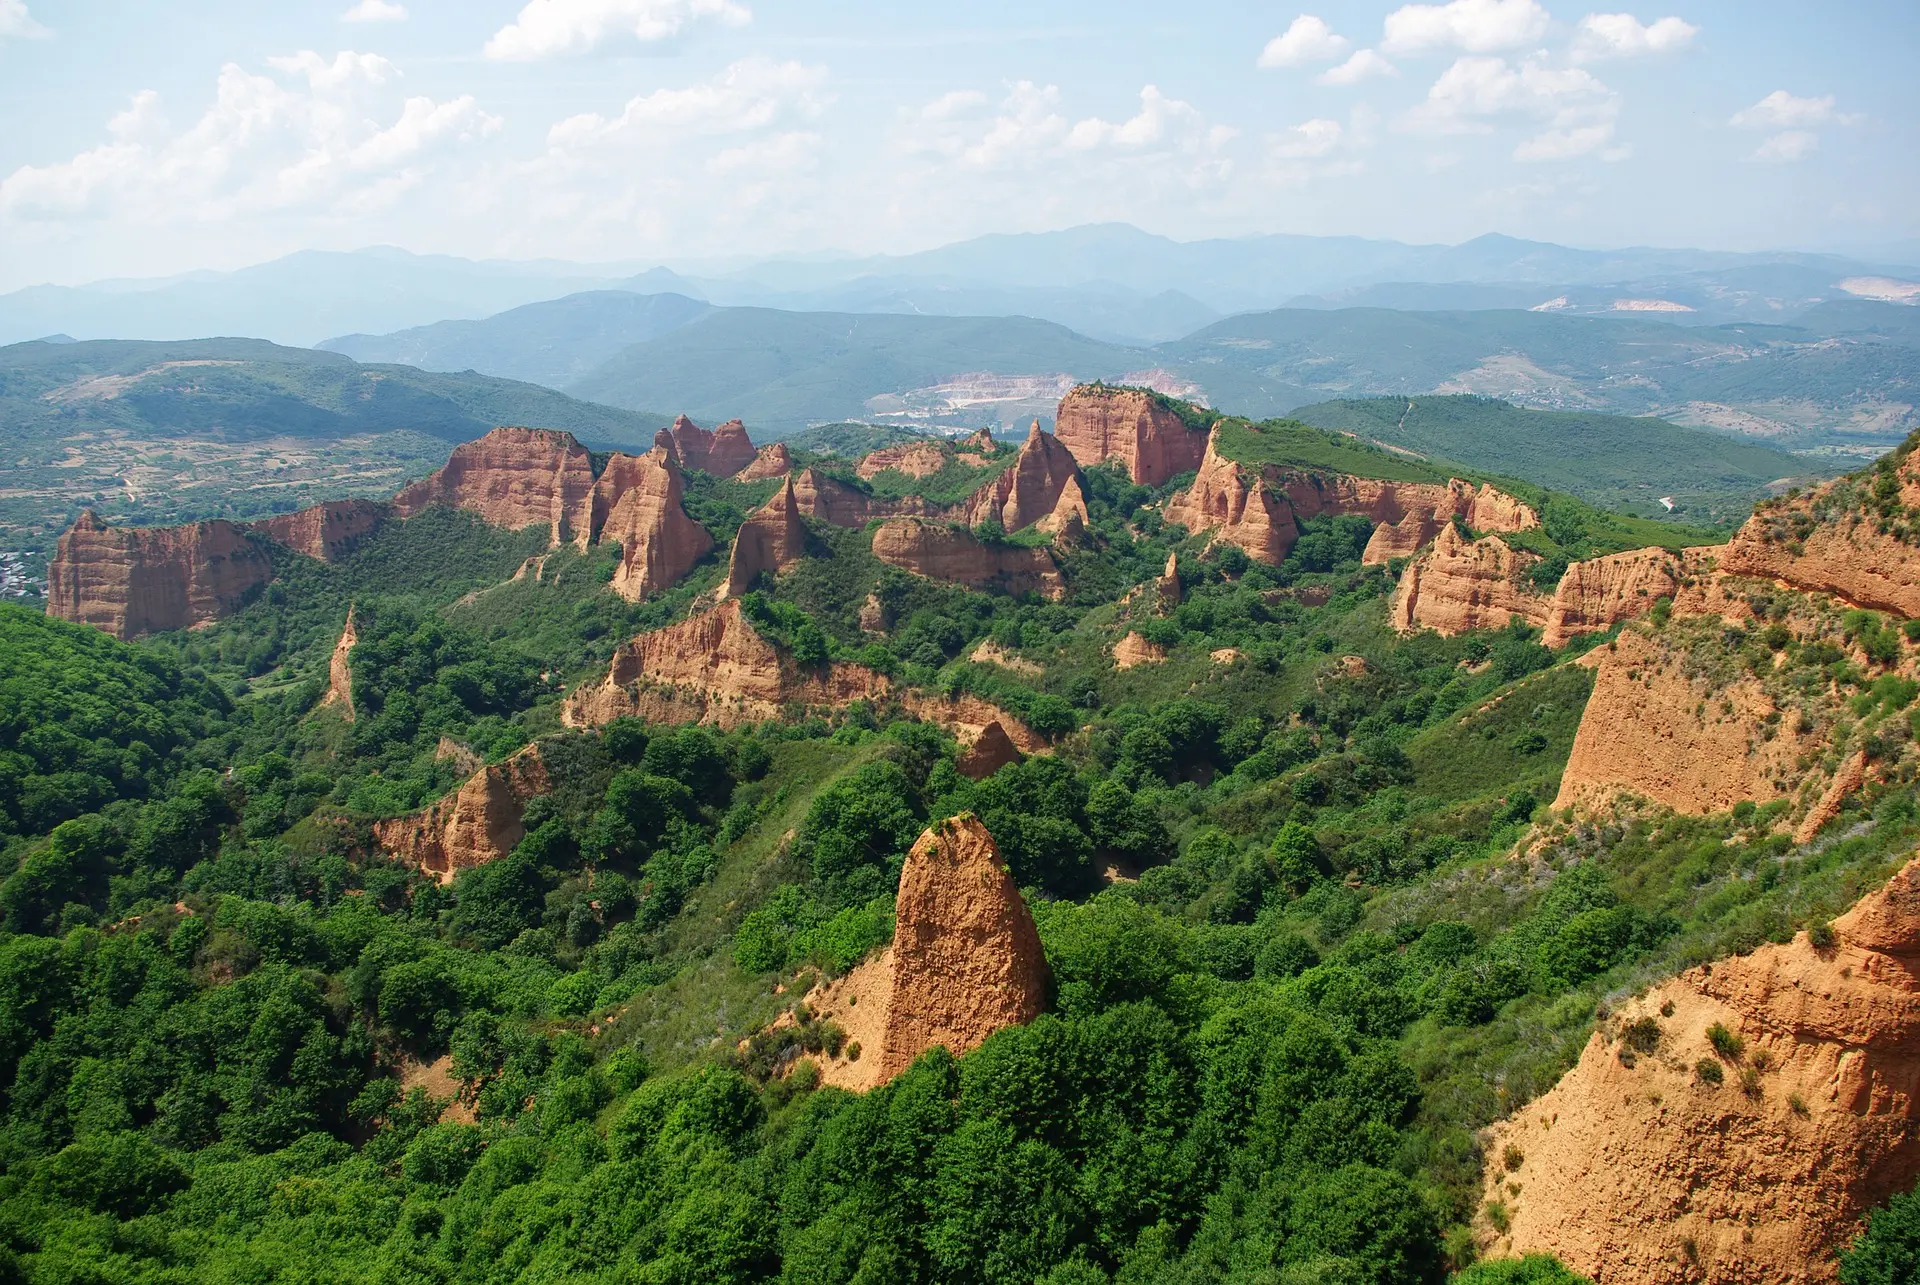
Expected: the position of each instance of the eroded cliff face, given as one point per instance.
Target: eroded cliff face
(340, 671)
(478, 823)
(1032, 490)
(773, 460)
(915, 459)
(1260, 510)
(1599, 593)
(130, 581)
(1096, 423)
(514, 478)
(723, 452)
(1636, 1171)
(833, 501)
(713, 668)
(658, 542)
(773, 538)
(969, 717)
(1461, 584)
(965, 962)
(327, 531)
(953, 554)
(1835, 541)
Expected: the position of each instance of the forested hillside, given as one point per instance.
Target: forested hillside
(1310, 918)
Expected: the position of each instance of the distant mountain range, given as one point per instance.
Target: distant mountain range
(1111, 282)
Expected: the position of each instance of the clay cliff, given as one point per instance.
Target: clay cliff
(773, 460)
(723, 452)
(340, 670)
(1097, 423)
(965, 962)
(834, 501)
(773, 538)
(131, 581)
(969, 716)
(1461, 584)
(1599, 593)
(477, 823)
(915, 459)
(1636, 1170)
(957, 556)
(1031, 491)
(514, 478)
(714, 668)
(1836, 541)
(1238, 510)
(328, 531)
(644, 513)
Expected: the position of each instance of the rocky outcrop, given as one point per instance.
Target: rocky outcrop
(1461, 585)
(340, 670)
(658, 542)
(968, 717)
(131, 581)
(1240, 512)
(1097, 423)
(1260, 510)
(965, 962)
(1830, 542)
(980, 442)
(773, 460)
(831, 500)
(328, 531)
(723, 452)
(1653, 730)
(956, 556)
(773, 538)
(1031, 490)
(1851, 776)
(1599, 593)
(1068, 521)
(478, 823)
(714, 668)
(1134, 649)
(915, 459)
(1636, 1170)
(1166, 590)
(992, 750)
(513, 478)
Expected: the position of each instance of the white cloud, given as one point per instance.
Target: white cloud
(1621, 35)
(1788, 146)
(751, 94)
(375, 11)
(1476, 26)
(1781, 110)
(309, 140)
(555, 28)
(1308, 139)
(1475, 94)
(16, 21)
(1308, 39)
(1364, 64)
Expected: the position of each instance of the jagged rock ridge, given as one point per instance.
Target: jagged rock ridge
(478, 823)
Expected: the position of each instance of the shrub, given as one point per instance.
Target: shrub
(1821, 935)
(1725, 1042)
(1709, 1071)
(1750, 1082)
(1888, 1252)
(1642, 1036)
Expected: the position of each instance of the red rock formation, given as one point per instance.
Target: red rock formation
(1097, 423)
(965, 962)
(340, 670)
(832, 501)
(513, 478)
(659, 543)
(1134, 649)
(954, 555)
(992, 750)
(1851, 776)
(1635, 1171)
(723, 452)
(1029, 491)
(713, 668)
(981, 442)
(1167, 588)
(773, 538)
(774, 460)
(1241, 513)
(478, 823)
(915, 459)
(1068, 521)
(1599, 593)
(131, 581)
(1815, 544)
(327, 531)
(1463, 584)
(1653, 730)
(968, 716)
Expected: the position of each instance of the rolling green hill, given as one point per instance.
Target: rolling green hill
(1609, 460)
(781, 371)
(162, 432)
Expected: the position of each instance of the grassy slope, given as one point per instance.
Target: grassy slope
(1608, 460)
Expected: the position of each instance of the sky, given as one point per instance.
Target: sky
(141, 140)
